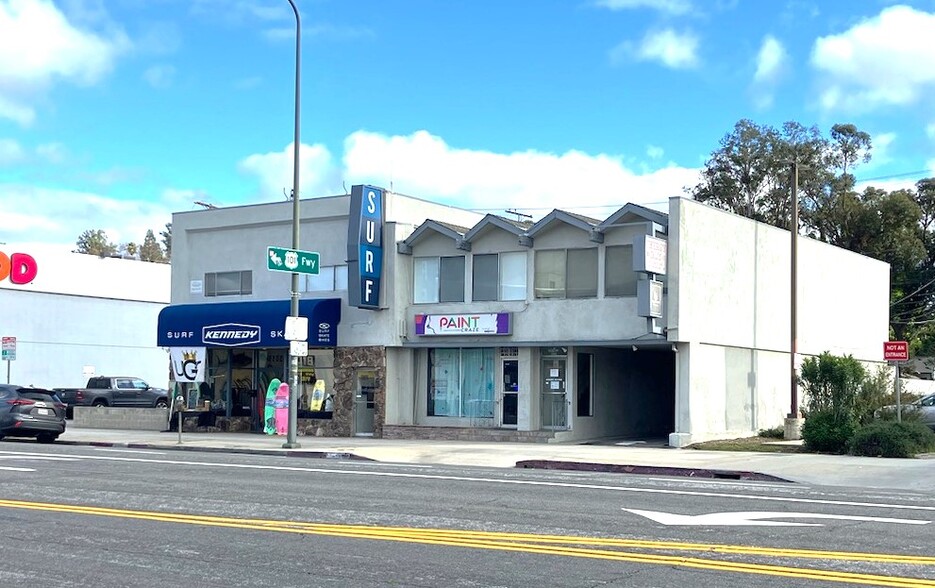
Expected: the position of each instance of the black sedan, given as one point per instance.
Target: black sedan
(30, 412)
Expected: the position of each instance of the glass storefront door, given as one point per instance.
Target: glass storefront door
(553, 401)
(364, 401)
(510, 405)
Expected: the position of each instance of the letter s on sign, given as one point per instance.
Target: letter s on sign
(21, 268)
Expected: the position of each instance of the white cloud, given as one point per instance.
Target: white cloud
(887, 185)
(881, 144)
(420, 165)
(423, 165)
(53, 152)
(318, 174)
(159, 76)
(885, 60)
(38, 46)
(10, 152)
(672, 49)
(654, 152)
(59, 216)
(674, 7)
(770, 60)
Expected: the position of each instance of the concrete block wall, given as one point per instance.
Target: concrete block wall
(134, 419)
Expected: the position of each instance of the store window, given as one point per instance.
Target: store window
(330, 278)
(619, 277)
(566, 273)
(500, 276)
(438, 279)
(316, 385)
(228, 283)
(461, 382)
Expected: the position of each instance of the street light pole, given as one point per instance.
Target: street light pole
(291, 442)
(792, 429)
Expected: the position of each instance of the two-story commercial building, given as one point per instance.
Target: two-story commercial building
(432, 321)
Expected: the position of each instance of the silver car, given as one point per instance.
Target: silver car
(923, 409)
(926, 409)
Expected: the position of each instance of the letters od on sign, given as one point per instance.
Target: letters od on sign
(20, 268)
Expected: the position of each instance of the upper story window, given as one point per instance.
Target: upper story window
(229, 283)
(438, 279)
(566, 273)
(500, 276)
(330, 278)
(619, 277)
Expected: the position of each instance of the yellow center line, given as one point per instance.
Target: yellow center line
(542, 544)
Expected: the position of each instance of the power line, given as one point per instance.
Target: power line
(899, 175)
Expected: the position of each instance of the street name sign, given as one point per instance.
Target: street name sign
(896, 351)
(280, 259)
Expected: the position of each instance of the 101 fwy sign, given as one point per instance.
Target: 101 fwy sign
(756, 518)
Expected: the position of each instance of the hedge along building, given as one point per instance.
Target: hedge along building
(75, 315)
(455, 324)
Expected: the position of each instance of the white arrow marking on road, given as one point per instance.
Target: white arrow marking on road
(754, 518)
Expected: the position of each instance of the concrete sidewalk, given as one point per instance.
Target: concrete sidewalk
(827, 470)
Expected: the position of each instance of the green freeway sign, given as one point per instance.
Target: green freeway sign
(280, 259)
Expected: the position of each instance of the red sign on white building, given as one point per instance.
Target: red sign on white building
(896, 351)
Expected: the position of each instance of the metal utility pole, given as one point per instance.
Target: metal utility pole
(793, 345)
(294, 311)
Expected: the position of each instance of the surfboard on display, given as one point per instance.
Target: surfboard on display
(318, 395)
(281, 404)
(269, 410)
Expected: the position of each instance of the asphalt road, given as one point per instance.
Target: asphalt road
(110, 517)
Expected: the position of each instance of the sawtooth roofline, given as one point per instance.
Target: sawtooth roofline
(525, 232)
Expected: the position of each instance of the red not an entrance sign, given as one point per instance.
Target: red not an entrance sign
(896, 351)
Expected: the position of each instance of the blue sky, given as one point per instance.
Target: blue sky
(114, 114)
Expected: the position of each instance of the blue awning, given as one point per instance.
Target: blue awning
(259, 324)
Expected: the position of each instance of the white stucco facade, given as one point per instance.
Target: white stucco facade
(716, 364)
(83, 313)
(730, 306)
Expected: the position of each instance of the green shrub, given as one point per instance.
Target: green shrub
(827, 432)
(774, 433)
(832, 384)
(876, 391)
(892, 439)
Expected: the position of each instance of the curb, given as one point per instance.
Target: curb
(238, 450)
(649, 470)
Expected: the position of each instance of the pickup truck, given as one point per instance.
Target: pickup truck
(114, 391)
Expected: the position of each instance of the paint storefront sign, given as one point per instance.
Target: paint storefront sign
(20, 268)
(496, 323)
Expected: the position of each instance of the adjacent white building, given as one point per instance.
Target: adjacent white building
(74, 315)
(432, 321)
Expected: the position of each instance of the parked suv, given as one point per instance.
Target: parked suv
(30, 412)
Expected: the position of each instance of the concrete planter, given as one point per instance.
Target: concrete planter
(134, 419)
